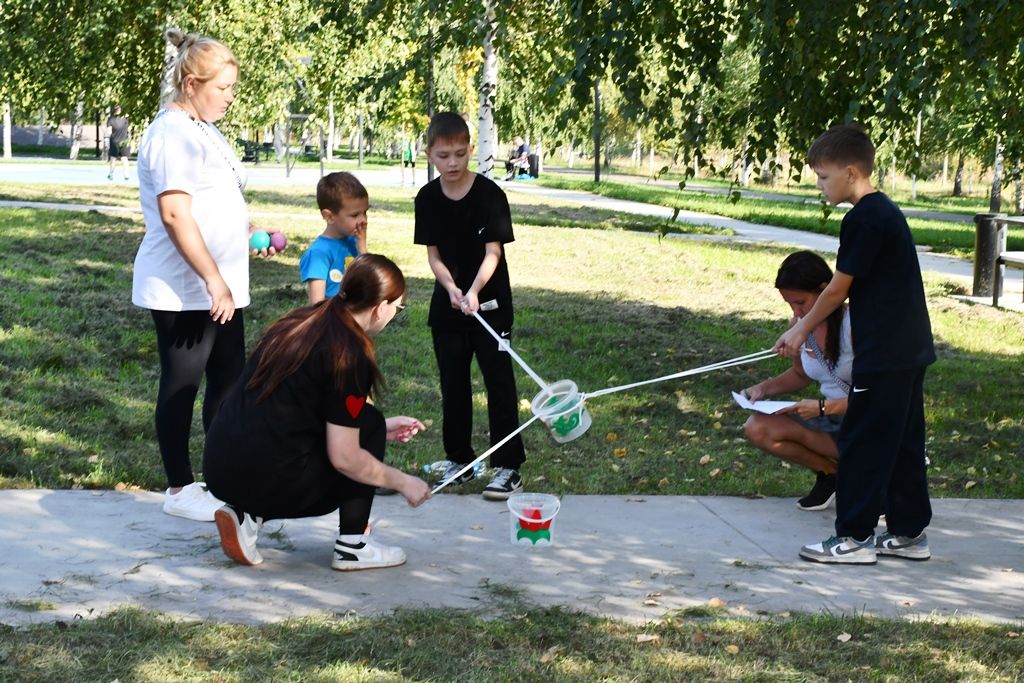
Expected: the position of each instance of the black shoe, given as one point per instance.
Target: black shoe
(506, 481)
(822, 495)
(453, 469)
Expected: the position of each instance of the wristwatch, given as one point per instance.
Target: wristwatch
(821, 407)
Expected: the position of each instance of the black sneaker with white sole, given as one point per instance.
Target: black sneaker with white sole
(453, 468)
(822, 495)
(504, 483)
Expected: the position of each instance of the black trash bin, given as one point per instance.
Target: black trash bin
(989, 242)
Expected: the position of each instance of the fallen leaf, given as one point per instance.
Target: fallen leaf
(663, 483)
(647, 638)
(717, 425)
(611, 436)
(970, 485)
(620, 452)
(615, 468)
(636, 500)
(651, 602)
(538, 478)
(732, 649)
(654, 594)
(715, 472)
(1012, 634)
(428, 422)
(699, 637)
(550, 653)
(120, 486)
(704, 459)
(844, 637)
(717, 602)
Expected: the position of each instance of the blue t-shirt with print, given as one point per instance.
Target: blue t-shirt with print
(326, 259)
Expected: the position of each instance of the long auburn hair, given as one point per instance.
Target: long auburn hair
(805, 271)
(369, 280)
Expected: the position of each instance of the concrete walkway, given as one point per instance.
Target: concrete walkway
(635, 558)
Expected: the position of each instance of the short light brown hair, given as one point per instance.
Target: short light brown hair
(334, 187)
(447, 126)
(844, 145)
(199, 56)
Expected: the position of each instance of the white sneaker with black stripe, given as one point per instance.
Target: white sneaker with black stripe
(841, 550)
(366, 555)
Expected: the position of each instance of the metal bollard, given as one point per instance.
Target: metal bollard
(989, 241)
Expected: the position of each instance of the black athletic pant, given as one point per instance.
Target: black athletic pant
(454, 351)
(882, 456)
(190, 345)
(272, 487)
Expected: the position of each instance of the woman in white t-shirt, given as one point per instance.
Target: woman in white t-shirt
(805, 433)
(192, 269)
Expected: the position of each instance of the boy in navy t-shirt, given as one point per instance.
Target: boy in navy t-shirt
(882, 466)
(463, 219)
(343, 204)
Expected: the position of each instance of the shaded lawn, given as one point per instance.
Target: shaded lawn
(511, 641)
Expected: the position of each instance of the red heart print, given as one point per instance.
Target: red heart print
(354, 405)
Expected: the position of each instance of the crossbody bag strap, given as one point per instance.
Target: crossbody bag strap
(820, 357)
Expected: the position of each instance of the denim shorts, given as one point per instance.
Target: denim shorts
(829, 424)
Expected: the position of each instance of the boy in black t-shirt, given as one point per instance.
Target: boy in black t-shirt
(882, 465)
(463, 219)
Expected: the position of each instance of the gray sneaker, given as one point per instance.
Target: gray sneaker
(841, 550)
(903, 546)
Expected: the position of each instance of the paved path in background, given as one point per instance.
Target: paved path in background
(747, 193)
(636, 558)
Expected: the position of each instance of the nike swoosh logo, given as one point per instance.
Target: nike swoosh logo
(481, 230)
(504, 334)
(858, 390)
(840, 551)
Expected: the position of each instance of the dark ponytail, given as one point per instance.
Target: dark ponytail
(369, 280)
(805, 271)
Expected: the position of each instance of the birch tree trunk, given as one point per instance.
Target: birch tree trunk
(76, 130)
(488, 89)
(330, 130)
(995, 197)
(166, 86)
(42, 126)
(7, 129)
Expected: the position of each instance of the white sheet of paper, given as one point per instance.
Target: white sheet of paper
(766, 407)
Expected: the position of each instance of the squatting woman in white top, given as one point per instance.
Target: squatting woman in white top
(805, 434)
(192, 269)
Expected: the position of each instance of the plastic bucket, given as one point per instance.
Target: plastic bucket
(562, 409)
(532, 521)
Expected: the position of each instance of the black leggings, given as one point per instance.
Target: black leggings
(190, 345)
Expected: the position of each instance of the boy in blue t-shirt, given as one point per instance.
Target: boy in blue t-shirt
(343, 203)
(882, 464)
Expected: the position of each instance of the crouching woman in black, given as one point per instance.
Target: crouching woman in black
(296, 436)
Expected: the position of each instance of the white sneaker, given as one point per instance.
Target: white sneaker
(368, 555)
(841, 550)
(238, 537)
(192, 502)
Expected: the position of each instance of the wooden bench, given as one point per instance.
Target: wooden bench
(1014, 259)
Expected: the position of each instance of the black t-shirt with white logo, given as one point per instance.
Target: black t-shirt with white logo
(461, 230)
(888, 314)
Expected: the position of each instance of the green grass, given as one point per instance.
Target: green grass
(602, 307)
(956, 238)
(932, 194)
(511, 642)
